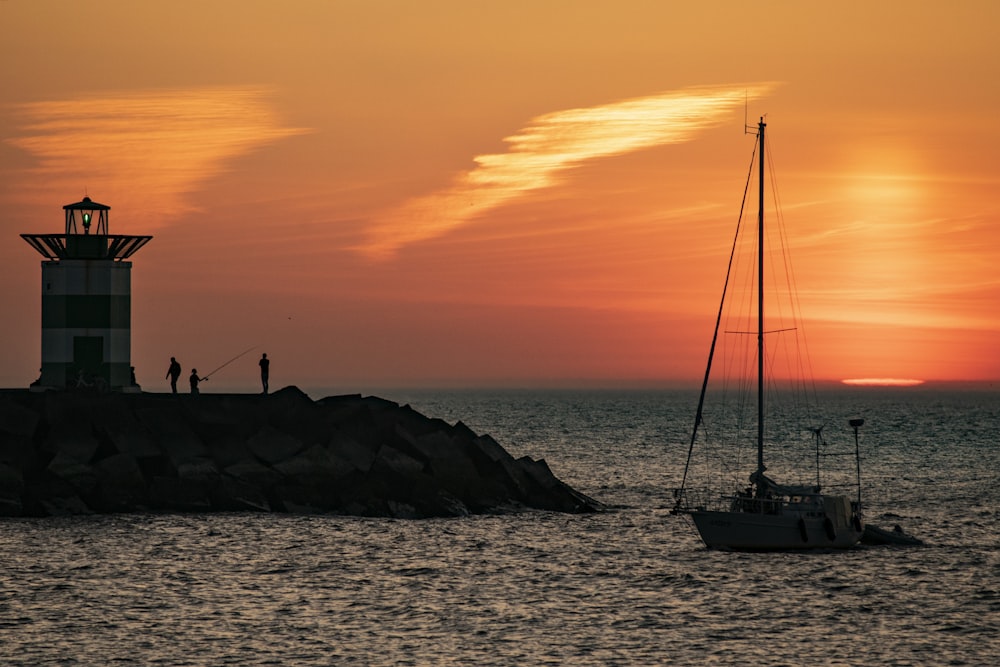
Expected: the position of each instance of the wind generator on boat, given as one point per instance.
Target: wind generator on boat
(766, 515)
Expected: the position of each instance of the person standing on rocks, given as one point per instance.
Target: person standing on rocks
(194, 379)
(265, 369)
(174, 373)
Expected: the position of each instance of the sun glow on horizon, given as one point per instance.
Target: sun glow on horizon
(882, 382)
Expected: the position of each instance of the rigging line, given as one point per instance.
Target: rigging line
(715, 334)
(807, 378)
(249, 349)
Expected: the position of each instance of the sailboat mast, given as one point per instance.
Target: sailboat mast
(760, 305)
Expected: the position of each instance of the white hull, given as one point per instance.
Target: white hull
(747, 531)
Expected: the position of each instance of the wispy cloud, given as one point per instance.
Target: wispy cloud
(161, 143)
(549, 145)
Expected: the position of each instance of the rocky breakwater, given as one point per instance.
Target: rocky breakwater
(75, 453)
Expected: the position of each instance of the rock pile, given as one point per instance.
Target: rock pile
(72, 453)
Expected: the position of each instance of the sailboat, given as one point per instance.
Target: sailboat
(765, 515)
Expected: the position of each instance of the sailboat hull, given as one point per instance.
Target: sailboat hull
(745, 531)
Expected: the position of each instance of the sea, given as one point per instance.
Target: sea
(632, 585)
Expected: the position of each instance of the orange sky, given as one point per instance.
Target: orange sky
(399, 193)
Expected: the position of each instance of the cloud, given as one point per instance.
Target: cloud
(540, 153)
(160, 143)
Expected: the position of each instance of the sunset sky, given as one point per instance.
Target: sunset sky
(538, 193)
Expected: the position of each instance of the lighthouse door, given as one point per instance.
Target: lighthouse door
(88, 357)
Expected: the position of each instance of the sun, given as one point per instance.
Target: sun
(882, 382)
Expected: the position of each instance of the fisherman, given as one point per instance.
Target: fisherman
(194, 379)
(174, 373)
(265, 366)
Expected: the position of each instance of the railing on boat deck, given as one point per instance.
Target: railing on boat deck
(713, 501)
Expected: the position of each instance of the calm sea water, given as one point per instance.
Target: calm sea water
(632, 586)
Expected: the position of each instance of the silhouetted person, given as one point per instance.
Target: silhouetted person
(265, 367)
(174, 373)
(194, 379)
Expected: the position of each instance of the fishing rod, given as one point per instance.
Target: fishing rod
(249, 349)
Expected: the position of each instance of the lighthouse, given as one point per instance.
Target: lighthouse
(86, 302)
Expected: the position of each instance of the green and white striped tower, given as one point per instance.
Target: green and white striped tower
(86, 302)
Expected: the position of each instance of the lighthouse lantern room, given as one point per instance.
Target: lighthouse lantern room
(86, 302)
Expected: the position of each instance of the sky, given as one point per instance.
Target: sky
(386, 193)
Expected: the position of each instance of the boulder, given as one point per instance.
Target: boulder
(359, 455)
(121, 482)
(315, 466)
(11, 491)
(49, 495)
(81, 476)
(69, 446)
(272, 446)
(177, 494)
(134, 440)
(392, 461)
(16, 419)
(170, 428)
(255, 473)
(200, 469)
(448, 461)
(236, 495)
(19, 452)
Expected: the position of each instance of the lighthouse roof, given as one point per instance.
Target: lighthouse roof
(86, 205)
